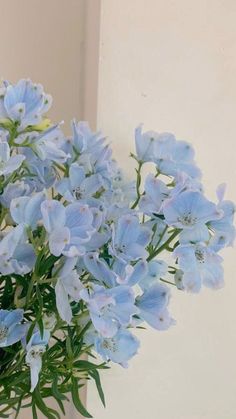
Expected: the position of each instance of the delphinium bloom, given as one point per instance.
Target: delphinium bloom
(11, 329)
(87, 256)
(34, 351)
(25, 103)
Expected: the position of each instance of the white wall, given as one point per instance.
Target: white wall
(171, 65)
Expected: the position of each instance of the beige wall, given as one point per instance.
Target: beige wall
(46, 41)
(171, 65)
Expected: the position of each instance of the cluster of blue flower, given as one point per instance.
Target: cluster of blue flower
(67, 197)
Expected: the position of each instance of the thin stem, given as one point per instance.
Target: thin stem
(164, 246)
(161, 236)
(138, 183)
(168, 282)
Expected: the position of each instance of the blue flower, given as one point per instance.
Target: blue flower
(180, 159)
(67, 288)
(169, 155)
(16, 255)
(129, 274)
(153, 307)
(119, 349)
(42, 173)
(11, 329)
(8, 163)
(26, 210)
(99, 269)
(156, 192)
(47, 145)
(12, 191)
(26, 103)
(145, 144)
(200, 265)
(191, 211)
(224, 230)
(130, 239)
(110, 308)
(156, 270)
(35, 349)
(121, 273)
(77, 185)
(90, 151)
(69, 228)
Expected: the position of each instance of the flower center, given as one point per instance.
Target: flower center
(36, 351)
(200, 255)
(110, 344)
(188, 219)
(78, 193)
(3, 332)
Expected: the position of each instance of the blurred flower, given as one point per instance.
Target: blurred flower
(35, 349)
(25, 102)
(191, 211)
(200, 265)
(11, 329)
(9, 164)
(153, 306)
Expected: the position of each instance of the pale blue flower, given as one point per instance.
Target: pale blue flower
(181, 159)
(99, 269)
(184, 182)
(200, 265)
(130, 239)
(156, 192)
(191, 211)
(110, 308)
(26, 103)
(169, 155)
(69, 228)
(16, 255)
(224, 230)
(90, 150)
(77, 185)
(67, 288)
(8, 163)
(121, 273)
(129, 274)
(47, 145)
(27, 210)
(153, 306)
(35, 349)
(156, 270)
(14, 190)
(11, 329)
(119, 349)
(151, 144)
(42, 173)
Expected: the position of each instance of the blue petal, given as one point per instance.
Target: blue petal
(99, 269)
(54, 215)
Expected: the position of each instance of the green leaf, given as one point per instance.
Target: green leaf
(95, 375)
(69, 347)
(48, 412)
(86, 365)
(55, 390)
(76, 399)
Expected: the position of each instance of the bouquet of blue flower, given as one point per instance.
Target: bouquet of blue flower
(81, 263)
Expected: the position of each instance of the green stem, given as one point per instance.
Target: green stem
(164, 246)
(138, 183)
(168, 282)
